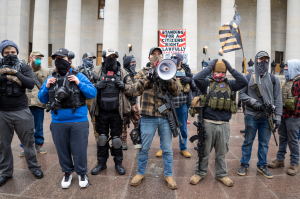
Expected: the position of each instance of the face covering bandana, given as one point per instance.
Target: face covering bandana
(111, 64)
(218, 77)
(10, 59)
(132, 69)
(262, 67)
(62, 66)
(286, 74)
(88, 62)
(153, 60)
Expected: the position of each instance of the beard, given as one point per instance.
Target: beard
(34, 66)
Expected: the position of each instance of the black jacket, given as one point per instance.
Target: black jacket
(273, 64)
(202, 83)
(250, 63)
(193, 86)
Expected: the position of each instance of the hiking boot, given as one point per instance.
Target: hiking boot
(265, 171)
(171, 182)
(66, 181)
(159, 154)
(137, 180)
(40, 149)
(98, 168)
(120, 169)
(186, 154)
(195, 179)
(276, 163)
(292, 170)
(83, 181)
(242, 170)
(124, 145)
(226, 181)
(22, 153)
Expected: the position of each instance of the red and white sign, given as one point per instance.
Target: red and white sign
(172, 38)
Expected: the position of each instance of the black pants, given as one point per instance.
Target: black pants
(273, 70)
(104, 121)
(281, 71)
(71, 139)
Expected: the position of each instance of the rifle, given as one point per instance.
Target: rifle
(36, 81)
(88, 73)
(201, 134)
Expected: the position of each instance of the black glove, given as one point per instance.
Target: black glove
(150, 74)
(228, 66)
(100, 85)
(277, 123)
(120, 84)
(3, 78)
(212, 64)
(185, 80)
(257, 106)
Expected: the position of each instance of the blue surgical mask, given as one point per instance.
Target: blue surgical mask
(38, 62)
(286, 74)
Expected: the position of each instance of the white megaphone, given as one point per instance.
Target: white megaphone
(166, 69)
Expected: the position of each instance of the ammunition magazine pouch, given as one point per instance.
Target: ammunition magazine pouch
(288, 100)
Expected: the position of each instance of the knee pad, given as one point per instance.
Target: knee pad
(116, 142)
(102, 140)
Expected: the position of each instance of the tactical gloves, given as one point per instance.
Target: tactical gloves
(8, 71)
(120, 84)
(185, 80)
(212, 64)
(277, 123)
(100, 85)
(257, 106)
(13, 78)
(228, 66)
(150, 74)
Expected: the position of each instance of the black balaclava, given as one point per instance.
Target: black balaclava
(262, 67)
(88, 62)
(129, 68)
(62, 66)
(10, 59)
(111, 64)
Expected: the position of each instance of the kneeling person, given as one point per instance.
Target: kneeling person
(67, 90)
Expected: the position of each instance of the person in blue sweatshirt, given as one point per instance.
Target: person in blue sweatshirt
(67, 90)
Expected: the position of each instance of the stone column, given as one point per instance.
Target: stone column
(3, 19)
(40, 29)
(150, 29)
(263, 27)
(73, 29)
(227, 13)
(18, 14)
(189, 23)
(293, 30)
(111, 25)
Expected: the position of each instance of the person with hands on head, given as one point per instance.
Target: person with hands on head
(67, 90)
(289, 128)
(255, 119)
(219, 105)
(15, 116)
(110, 107)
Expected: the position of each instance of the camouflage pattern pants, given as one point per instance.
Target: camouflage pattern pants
(89, 104)
(134, 117)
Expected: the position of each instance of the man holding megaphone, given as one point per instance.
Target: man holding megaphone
(152, 119)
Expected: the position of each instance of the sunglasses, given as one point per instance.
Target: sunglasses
(173, 57)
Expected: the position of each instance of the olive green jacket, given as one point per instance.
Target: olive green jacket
(33, 100)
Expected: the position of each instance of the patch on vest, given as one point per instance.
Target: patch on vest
(222, 86)
(110, 73)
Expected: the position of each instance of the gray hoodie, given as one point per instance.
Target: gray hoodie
(270, 92)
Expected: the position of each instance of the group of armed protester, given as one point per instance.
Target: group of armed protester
(109, 94)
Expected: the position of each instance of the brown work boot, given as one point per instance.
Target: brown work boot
(159, 154)
(186, 154)
(276, 163)
(195, 179)
(292, 170)
(137, 180)
(171, 182)
(226, 181)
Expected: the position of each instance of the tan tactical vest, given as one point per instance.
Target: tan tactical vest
(288, 100)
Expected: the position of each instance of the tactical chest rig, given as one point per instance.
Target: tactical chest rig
(76, 98)
(11, 89)
(109, 96)
(288, 100)
(219, 97)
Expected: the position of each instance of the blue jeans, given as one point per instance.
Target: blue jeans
(182, 113)
(38, 114)
(148, 128)
(299, 136)
(264, 135)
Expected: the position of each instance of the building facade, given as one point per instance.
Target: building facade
(94, 25)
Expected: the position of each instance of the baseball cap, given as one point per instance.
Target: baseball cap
(60, 52)
(262, 54)
(154, 48)
(36, 53)
(111, 51)
(85, 55)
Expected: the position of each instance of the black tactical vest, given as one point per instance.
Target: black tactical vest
(11, 89)
(75, 100)
(109, 96)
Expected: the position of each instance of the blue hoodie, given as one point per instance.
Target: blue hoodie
(66, 115)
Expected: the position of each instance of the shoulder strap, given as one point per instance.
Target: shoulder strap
(248, 76)
(208, 95)
(273, 79)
